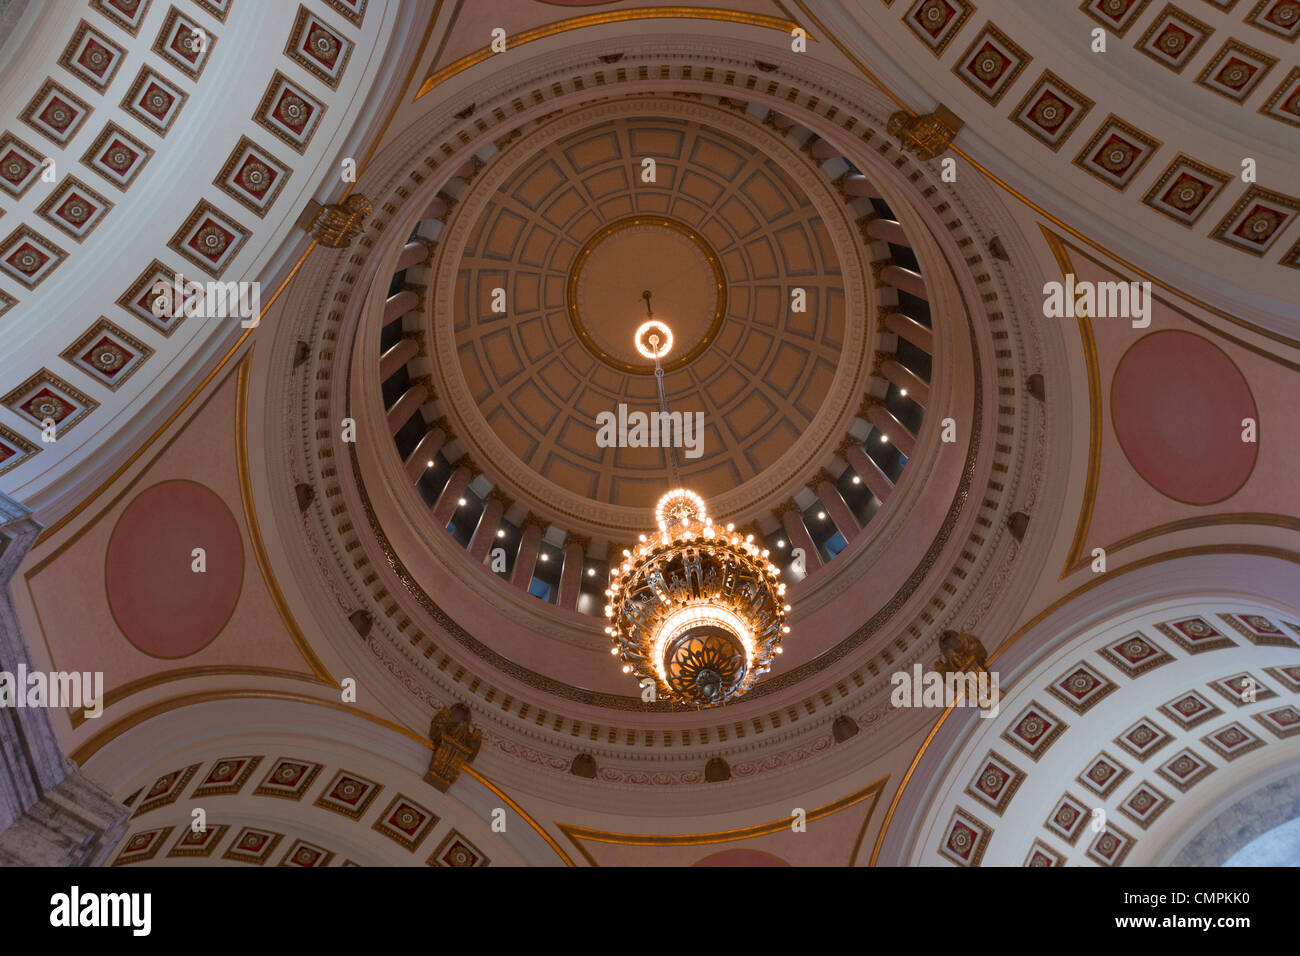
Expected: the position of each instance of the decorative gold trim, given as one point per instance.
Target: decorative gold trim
(470, 771)
(255, 532)
(1094, 413)
(872, 790)
(1260, 550)
(612, 229)
(600, 19)
(111, 697)
(848, 54)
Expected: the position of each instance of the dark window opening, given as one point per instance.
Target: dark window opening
(913, 359)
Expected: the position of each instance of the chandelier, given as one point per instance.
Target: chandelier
(696, 609)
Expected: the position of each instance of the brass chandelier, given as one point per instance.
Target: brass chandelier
(696, 610)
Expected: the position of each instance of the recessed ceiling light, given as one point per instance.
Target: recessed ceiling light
(591, 572)
(463, 502)
(546, 557)
(501, 532)
(429, 463)
(780, 544)
(857, 480)
(821, 516)
(902, 391)
(884, 439)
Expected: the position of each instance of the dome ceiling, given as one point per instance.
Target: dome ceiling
(721, 236)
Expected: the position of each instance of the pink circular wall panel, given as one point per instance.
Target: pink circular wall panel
(1177, 403)
(165, 608)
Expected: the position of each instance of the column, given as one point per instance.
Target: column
(435, 210)
(904, 280)
(855, 184)
(426, 451)
(877, 481)
(892, 428)
(406, 407)
(396, 357)
(575, 550)
(413, 253)
(530, 542)
(449, 500)
(911, 330)
(799, 537)
(836, 506)
(887, 230)
(821, 149)
(895, 373)
(398, 305)
(486, 532)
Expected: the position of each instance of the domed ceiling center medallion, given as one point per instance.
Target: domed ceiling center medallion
(655, 253)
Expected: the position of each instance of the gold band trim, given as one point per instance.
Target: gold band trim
(1094, 413)
(613, 228)
(575, 834)
(600, 19)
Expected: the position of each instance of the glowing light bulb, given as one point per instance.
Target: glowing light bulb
(902, 391)
(821, 516)
(857, 480)
(884, 439)
(462, 502)
(501, 532)
(591, 572)
(627, 669)
(785, 629)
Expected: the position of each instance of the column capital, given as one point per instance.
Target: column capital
(427, 382)
(416, 336)
(868, 403)
(822, 475)
(863, 222)
(441, 423)
(786, 506)
(848, 442)
(579, 540)
(878, 266)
